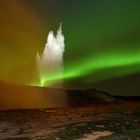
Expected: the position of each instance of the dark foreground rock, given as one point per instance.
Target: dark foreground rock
(118, 120)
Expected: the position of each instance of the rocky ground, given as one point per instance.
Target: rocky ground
(117, 120)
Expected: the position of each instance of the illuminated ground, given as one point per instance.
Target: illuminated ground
(118, 120)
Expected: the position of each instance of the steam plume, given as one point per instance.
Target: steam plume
(51, 60)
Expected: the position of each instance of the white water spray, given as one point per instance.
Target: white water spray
(51, 60)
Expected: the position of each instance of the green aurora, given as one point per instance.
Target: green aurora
(102, 40)
(108, 60)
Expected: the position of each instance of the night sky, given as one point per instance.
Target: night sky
(102, 40)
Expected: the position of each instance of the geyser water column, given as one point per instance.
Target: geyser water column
(51, 61)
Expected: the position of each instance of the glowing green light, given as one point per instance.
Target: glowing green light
(112, 59)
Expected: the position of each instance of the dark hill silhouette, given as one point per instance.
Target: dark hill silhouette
(28, 97)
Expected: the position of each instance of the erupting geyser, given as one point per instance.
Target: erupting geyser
(48, 64)
(51, 61)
